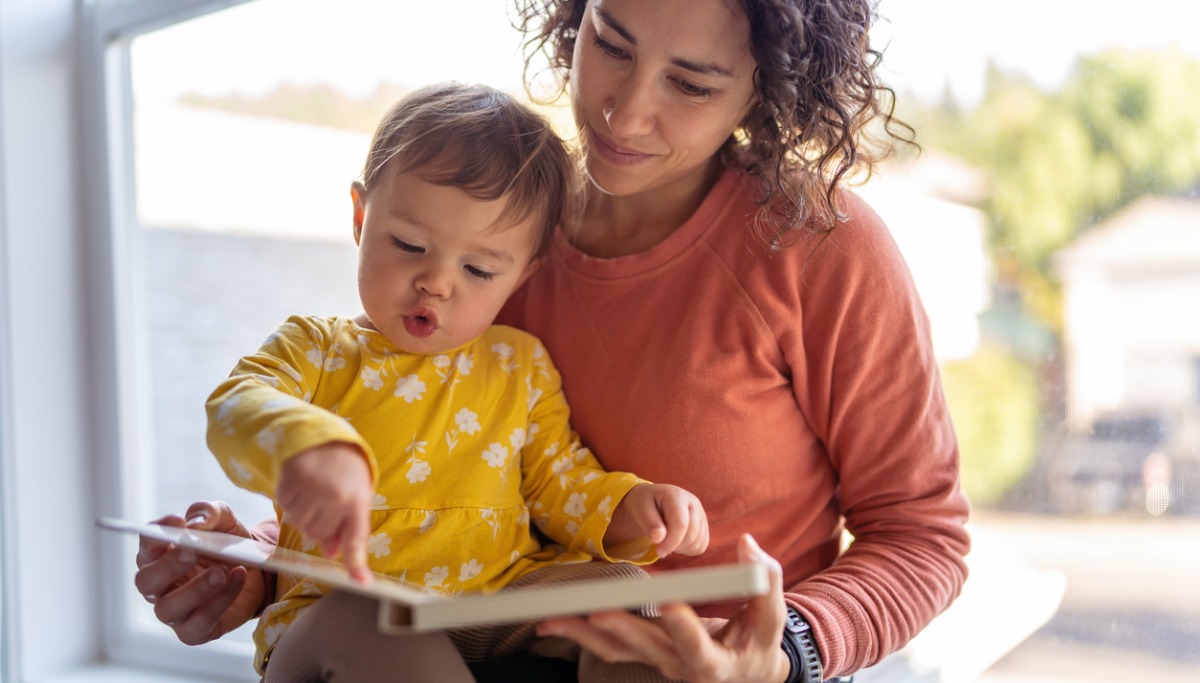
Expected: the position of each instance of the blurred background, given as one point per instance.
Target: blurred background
(1051, 220)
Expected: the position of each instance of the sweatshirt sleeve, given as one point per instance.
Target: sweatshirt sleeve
(262, 414)
(870, 388)
(571, 497)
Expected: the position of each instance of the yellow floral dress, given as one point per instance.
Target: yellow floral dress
(466, 449)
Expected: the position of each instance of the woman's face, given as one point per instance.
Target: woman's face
(657, 88)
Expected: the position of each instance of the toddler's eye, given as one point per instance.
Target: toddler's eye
(406, 247)
(480, 273)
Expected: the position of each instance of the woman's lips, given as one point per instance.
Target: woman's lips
(614, 153)
(421, 323)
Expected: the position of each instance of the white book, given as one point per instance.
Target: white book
(407, 607)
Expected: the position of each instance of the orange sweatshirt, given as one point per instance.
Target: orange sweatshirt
(793, 391)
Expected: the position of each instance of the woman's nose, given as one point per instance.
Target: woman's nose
(630, 110)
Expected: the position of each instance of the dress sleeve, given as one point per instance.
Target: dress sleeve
(570, 496)
(262, 414)
(870, 388)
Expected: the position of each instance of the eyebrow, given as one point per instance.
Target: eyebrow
(498, 255)
(705, 68)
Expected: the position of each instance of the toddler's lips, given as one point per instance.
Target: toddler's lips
(421, 323)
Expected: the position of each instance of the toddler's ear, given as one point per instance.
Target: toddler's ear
(358, 195)
(529, 270)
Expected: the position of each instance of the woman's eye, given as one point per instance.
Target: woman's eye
(608, 48)
(406, 247)
(692, 90)
(480, 273)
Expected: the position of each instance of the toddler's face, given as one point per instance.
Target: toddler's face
(434, 264)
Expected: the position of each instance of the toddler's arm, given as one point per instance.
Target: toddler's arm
(326, 492)
(671, 518)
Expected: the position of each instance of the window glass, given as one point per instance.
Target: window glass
(1074, 140)
(249, 125)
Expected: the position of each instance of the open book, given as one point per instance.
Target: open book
(407, 607)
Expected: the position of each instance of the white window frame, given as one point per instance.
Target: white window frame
(119, 397)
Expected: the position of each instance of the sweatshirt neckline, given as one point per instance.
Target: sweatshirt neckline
(674, 245)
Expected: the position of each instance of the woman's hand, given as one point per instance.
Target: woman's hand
(200, 599)
(744, 649)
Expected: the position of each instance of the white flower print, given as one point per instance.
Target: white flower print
(572, 528)
(410, 388)
(371, 378)
(463, 363)
(533, 430)
(272, 632)
(268, 439)
(225, 413)
(334, 363)
(315, 357)
(419, 471)
(270, 381)
(451, 439)
(418, 446)
(240, 471)
(379, 545)
(469, 570)
(504, 357)
(605, 507)
(575, 505)
(562, 465)
(434, 577)
(428, 522)
(535, 395)
(517, 439)
(441, 361)
(513, 557)
(490, 517)
(496, 455)
(279, 403)
(552, 449)
(540, 361)
(306, 543)
(589, 476)
(379, 502)
(291, 372)
(467, 421)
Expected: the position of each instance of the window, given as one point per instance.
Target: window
(235, 131)
(1062, 308)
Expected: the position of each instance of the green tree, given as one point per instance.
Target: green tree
(993, 399)
(1124, 124)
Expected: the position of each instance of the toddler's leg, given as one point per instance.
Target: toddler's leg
(338, 639)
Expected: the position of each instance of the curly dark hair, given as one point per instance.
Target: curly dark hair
(818, 98)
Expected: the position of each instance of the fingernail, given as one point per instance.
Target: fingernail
(216, 578)
(198, 518)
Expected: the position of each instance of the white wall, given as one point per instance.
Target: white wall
(50, 604)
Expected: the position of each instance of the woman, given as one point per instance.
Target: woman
(729, 319)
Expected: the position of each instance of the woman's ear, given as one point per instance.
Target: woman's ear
(358, 195)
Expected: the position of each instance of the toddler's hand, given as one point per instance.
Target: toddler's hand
(326, 492)
(672, 518)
